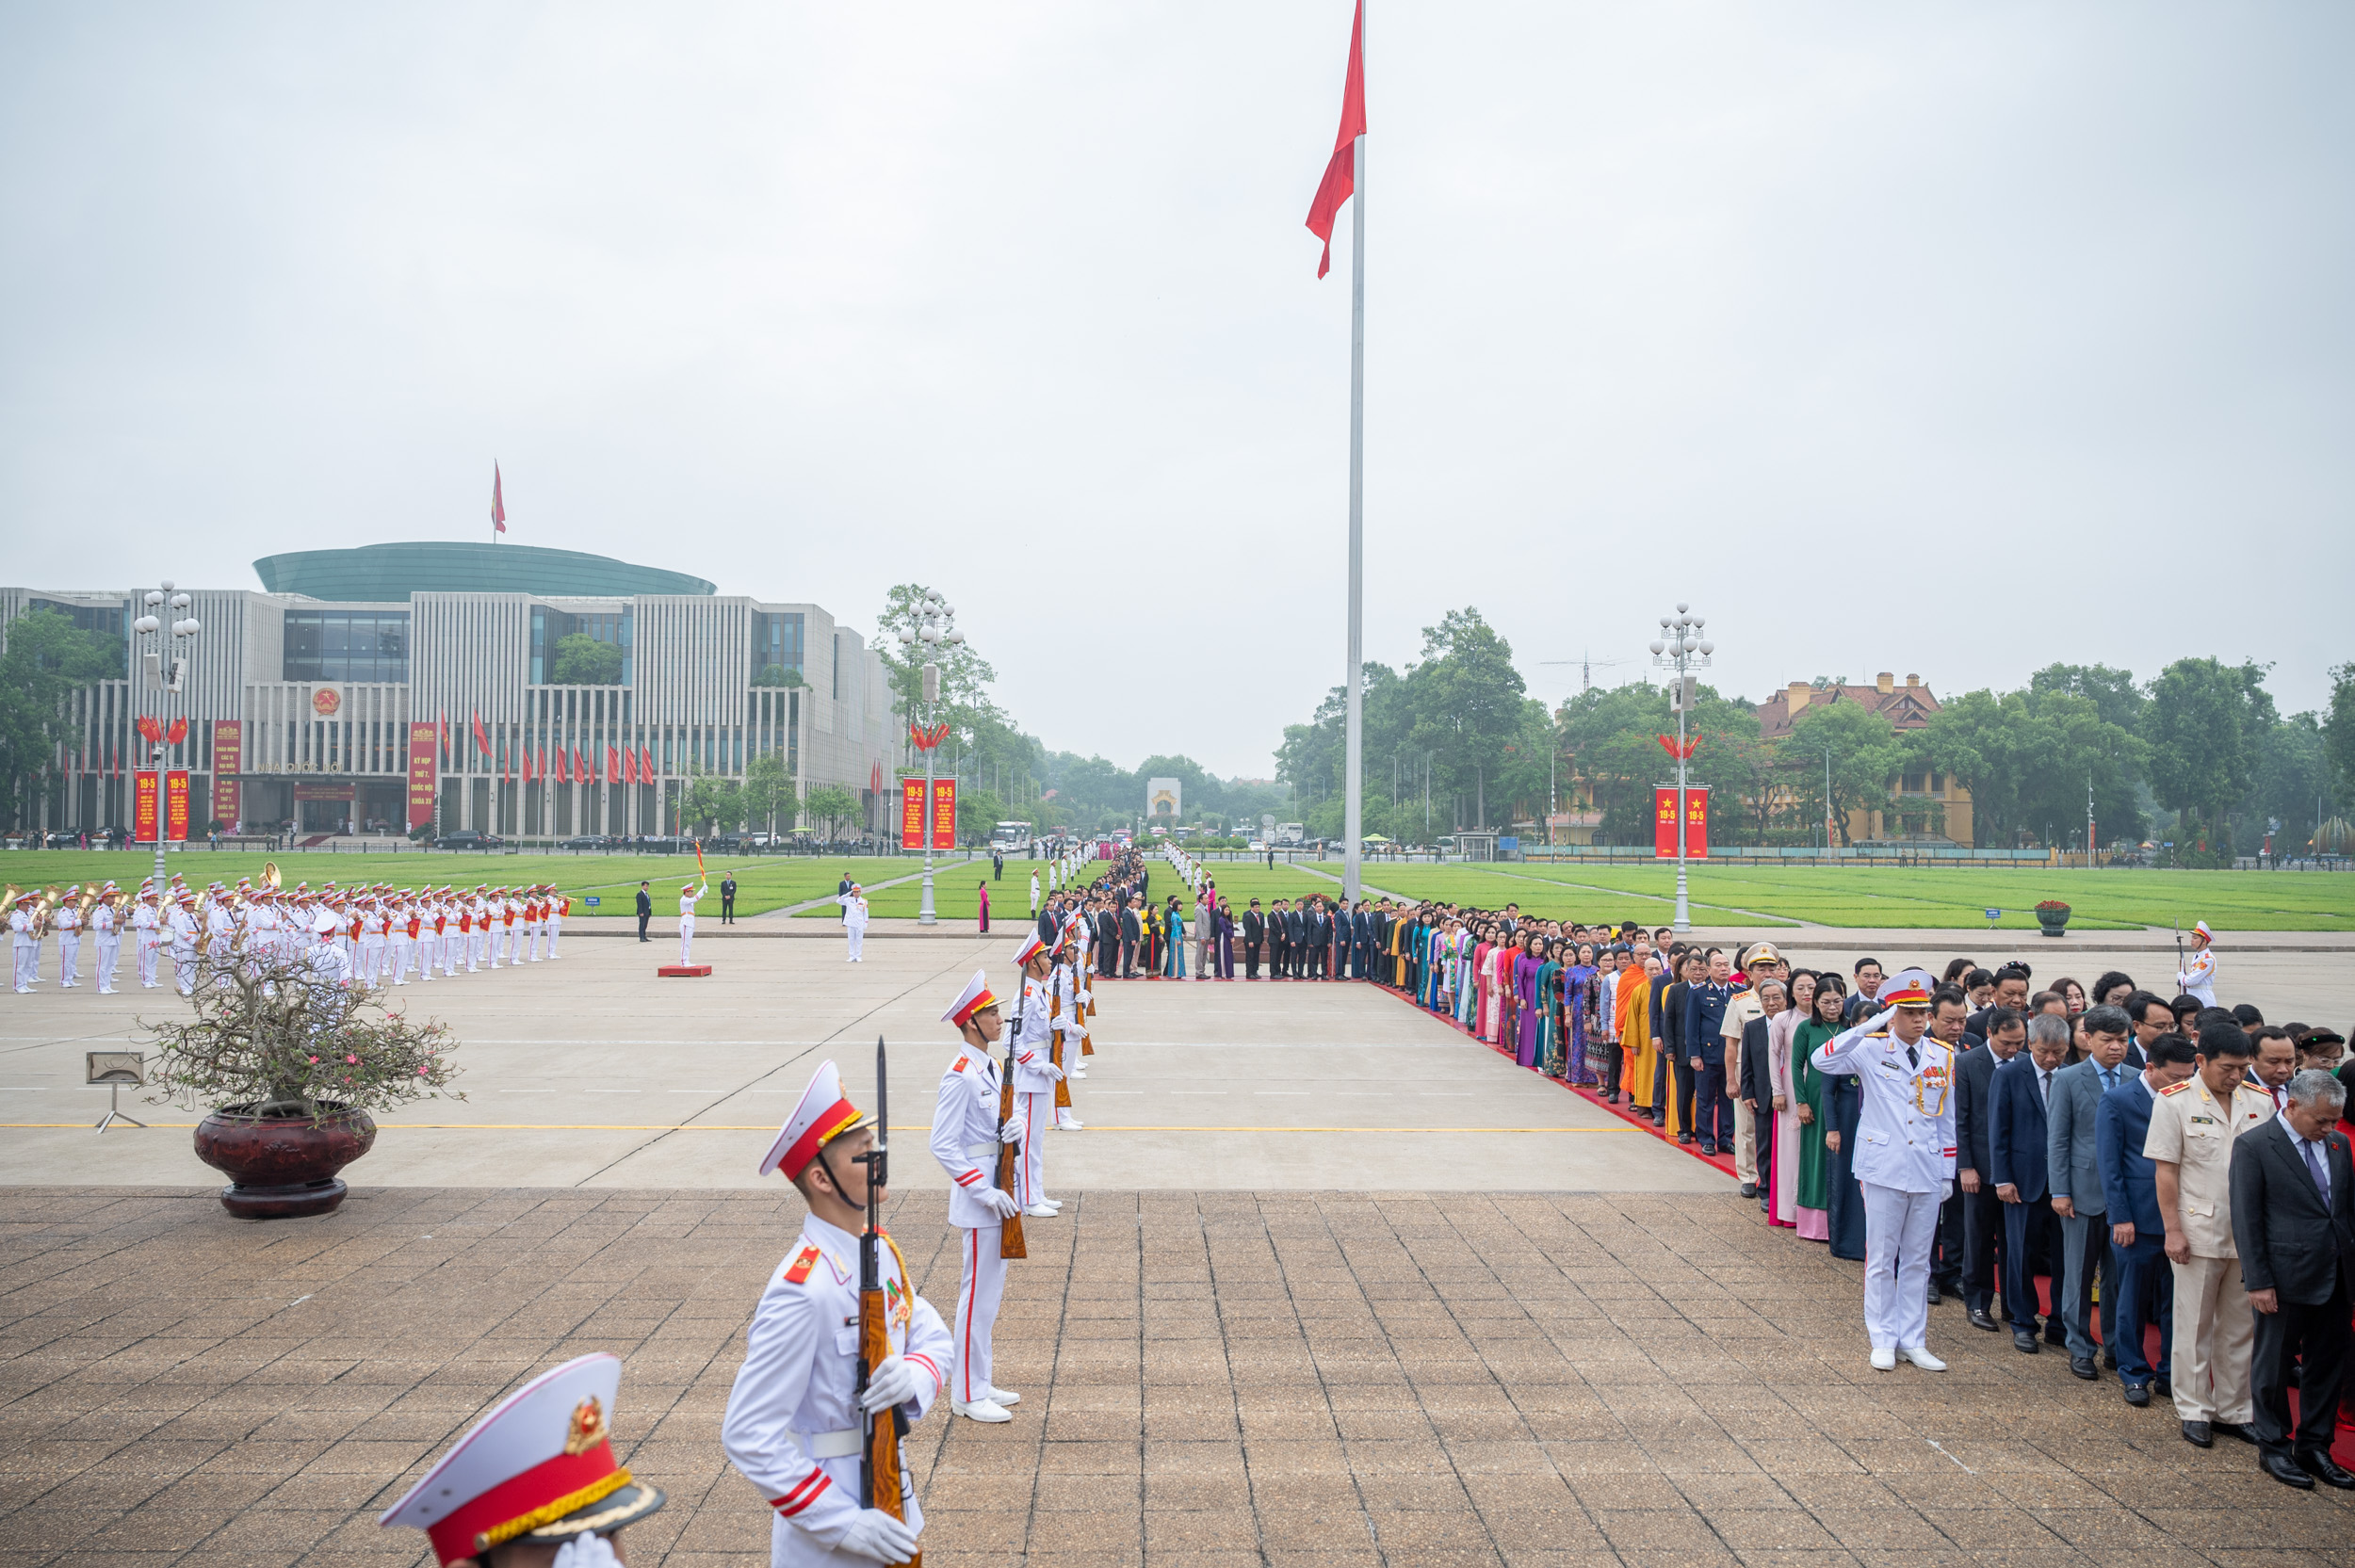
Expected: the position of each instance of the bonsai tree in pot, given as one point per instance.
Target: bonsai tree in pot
(288, 1061)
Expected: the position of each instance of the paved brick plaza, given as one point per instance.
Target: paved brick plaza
(1304, 1379)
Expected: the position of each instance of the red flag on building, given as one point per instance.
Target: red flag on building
(528, 775)
(645, 765)
(581, 770)
(1340, 171)
(481, 738)
(498, 501)
(564, 773)
(612, 764)
(629, 765)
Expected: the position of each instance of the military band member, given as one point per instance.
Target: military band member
(25, 941)
(147, 933)
(535, 1482)
(965, 1139)
(105, 929)
(792, 1428)
(181, 922)
(1904, 1159)
(560, 905)
(1035, 1075)
(66, 920)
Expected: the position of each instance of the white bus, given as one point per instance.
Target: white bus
(1290, 833)
(1011, 838)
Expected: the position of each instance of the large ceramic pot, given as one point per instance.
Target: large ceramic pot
(280, 1167)
(2054, 918)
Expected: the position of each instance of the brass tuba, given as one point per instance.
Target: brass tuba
(271, 875)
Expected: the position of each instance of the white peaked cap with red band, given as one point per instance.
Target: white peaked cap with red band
(2199, 929)
(824, 1115)
(1031, 947)
(541, 1456)
(972, 999)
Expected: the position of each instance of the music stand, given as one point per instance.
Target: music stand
(114, 1069)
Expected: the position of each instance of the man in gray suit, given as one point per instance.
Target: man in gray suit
(2075, 1173)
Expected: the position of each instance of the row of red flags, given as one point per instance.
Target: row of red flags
(577, 764)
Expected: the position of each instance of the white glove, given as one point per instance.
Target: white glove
(1088, 996)
(1001, 1202)
(1946, 1192)
(1052, 1071)
(1075, 1030)
(893, 1382)
(878, 1535)
(586, 1551)
(1011, 1132)
(1879, 1020)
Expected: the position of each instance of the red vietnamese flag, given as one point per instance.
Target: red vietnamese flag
(581, 769)
(613, 765)
(564, 773)
(629, 765)
(498, 501)
(528, 775)
(481, 738)
(645, 765)
(1340, 171)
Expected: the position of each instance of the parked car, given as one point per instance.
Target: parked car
(583, 842)
(64, 839)
(469, 839)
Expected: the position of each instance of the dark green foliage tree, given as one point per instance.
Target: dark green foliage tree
(2206, 728)
(45, 657)
(582, 661)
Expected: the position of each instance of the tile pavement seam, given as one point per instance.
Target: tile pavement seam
(1341, 1251)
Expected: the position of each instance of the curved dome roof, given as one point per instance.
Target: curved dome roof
(383, 573)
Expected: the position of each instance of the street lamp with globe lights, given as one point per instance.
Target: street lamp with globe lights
(163, 662)
(936, 627)
(1681, 648)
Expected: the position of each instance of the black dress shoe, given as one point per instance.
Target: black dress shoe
(1982, 1319)
(2197, 1434)
(1681, 1138)
(2023, 1340)
(1749, 1189)
(2083, 1366)
(1934, 1297)
(2109, 1361)
(2286, 1472)
(2233, 1429)
(2164, 1389)
(2139, 1393)
(2055, 1332)
(2326, 1470)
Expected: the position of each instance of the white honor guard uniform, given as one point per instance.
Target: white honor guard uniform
(24, 943)
(2197, 976)
(398, 938)
(1904, 1159)
(793, 1428)
(557, 904)
(180, 921)
(1035, 1075)
(854, 919)
(687, 895)
(966, 1138)
(105, 929)
(1065, 978)
(539, 1469)
(66, 921)
(147, 933)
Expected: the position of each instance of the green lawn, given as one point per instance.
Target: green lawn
(1843, 896)
(762, 882)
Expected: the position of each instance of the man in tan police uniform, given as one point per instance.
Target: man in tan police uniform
(2192, 1127)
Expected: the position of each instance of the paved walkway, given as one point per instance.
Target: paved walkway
(1289, 1380)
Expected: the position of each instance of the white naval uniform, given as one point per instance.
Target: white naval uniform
(372, 931)
(1033, 1092)
(107, 932)
(182, 924)
(27, 949)
(505, 933)
(965, 1141)
(687, 925)
(793, 1394)
(1065, 978)
(2197, 976)
(397, 935)
(67, 923)
(147, 933)
(1904, 1160)
(553, 920)
(220, 930)
(854, 921)
(479, 940)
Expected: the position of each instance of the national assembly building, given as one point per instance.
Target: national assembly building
(523, 692)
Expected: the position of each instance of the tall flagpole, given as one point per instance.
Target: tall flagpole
(1353, 783)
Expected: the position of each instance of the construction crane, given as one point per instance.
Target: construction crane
(1588, 664)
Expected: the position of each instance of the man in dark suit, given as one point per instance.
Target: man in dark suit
(1279, 941)
(727, 898)
(1316, 932)
(842, 891)
(645, 911)
(1296, 940)
(1982, 1211)
(1254, 933)
(2017, 1133)
(1107, 942)
(2146, 1287)
(2072, 1165)
(1131, 933)
(1344, 938)
(2293, 1226)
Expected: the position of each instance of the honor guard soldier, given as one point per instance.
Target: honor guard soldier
(689, 894)
(2197, 976)
(535, 1484)
(967, 1133)
(560, 905)
(1035, 1074)
(794, 1426)
(1905, 1159)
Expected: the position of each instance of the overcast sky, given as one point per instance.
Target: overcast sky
(1950, 339)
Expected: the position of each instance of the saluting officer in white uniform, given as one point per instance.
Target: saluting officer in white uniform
(1905, 1159)
(966, 1138)
(1035, 1075)
(689, 894)
(791, 1426)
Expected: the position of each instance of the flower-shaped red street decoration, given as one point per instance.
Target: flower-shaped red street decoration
(928, 736)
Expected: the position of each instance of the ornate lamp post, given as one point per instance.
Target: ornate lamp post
(161, 663)
(1680, 648)
(935, 624)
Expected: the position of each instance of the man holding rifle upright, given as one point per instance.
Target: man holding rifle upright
(969, 1130)
(795, 1424)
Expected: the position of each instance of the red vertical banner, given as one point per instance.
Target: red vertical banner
(1663, 823)
(911, 814)
(176, 806)
(228, 762)
(1695, 823)
(144, 801)
(424, 774)
(944, 814)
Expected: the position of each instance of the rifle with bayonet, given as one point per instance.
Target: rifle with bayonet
(881, 1483)
(1010, 1242)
